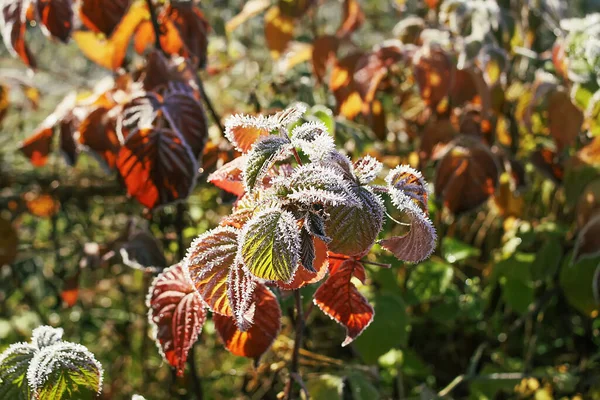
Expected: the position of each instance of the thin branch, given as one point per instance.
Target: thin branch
(215, 116)
(156, 26)
(289, 392)
(196, 382)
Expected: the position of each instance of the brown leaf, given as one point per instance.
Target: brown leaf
(102, 16)
(8, 242)
(564, 119)
(323, 54)
(279, 30)
(434, 73)
(352, 20)
(56, 18)
(13, 25)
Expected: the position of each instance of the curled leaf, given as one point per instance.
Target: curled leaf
(262, 156)
(313, 139)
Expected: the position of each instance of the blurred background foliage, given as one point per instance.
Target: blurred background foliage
(506, 308)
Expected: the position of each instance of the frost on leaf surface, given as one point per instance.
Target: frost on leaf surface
(303, 276)
(341, 301)
(366, 169)
(14, 362)
(229, 176)
(263, 155)
(409, 194)
(63, 371)
(270, 245)
(313, 140)
(240, 290)
(176, 313)
(208, 262)
(44, 335)
(258, 338)
(245, 130)
(320, 184)
(353, 230)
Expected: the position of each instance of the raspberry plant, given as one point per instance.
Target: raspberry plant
(305, 210)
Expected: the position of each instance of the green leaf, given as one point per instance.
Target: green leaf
(353, 230)
(455, 250)
(270, 245)
(429, 280)
(514, 275)
(13, 371)
(263, 154)
(63, 369)
(307, 251)
(361, 388)
(547, 259)
(577, 283)
(388, 329)
(325, 387)
(323, 114)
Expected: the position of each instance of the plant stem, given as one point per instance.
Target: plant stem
(155, 26)
(215, 116)
(179, 227)
(289, 392)
(196, 383)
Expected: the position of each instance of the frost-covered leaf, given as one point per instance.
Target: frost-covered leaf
(14, 362)
(263, 156)
(303, 276)
(315, 225)
(244, 130)
(318, 184)
(64, 371)
(208, 260)
(176, 313)
(408, 191)
(353, 230)
(313, 140)
(307, 251)
(341, 301)
(240, 290)
(366, 169)
(258, 338)
(270, 245)
(44, 335)
(229, 176)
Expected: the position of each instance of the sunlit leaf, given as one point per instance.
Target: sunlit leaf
(44, 336)
(254, 342)
(279, 30)
(64, 370)
(102, 16)
(98, 134)
(303, 276)
(323, 54)
(270, 245)
(14, 362)
(352, 19)
(56, 18)
(158, 167)
(313, 139)
(13, 25)
(434, 73)
(262, 156)
(209, 260)
(176, 313)
(229, 176)
(341, 301)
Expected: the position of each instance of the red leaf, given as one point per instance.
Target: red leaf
(193, 28)
(56, 17)
(13, 24)
(158, 167)
(240, 290)
(176, 313)
(342, 302)
(254, 342)
(37, 147)
(209, 259)
(102, 16)
(229, 177)
(98, 133)
(186, 115)
(434, 72)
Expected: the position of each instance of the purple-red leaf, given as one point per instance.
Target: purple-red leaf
(176, 313)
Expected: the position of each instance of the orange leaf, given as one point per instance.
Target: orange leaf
(341, 301)
(434, 73)
(467, 175)
(43, 206)
(102, 16)
(323, 54)
(111, 52)
(97, 133)
(229, 177)
(254, 342)
(37, 147)
(158, 167)
(279, 30)
(56, 18)
(341, 82)
(176, 315)
(352, 20)
(70, 291)
(304, 277)
(14, 25)
(192, 28)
